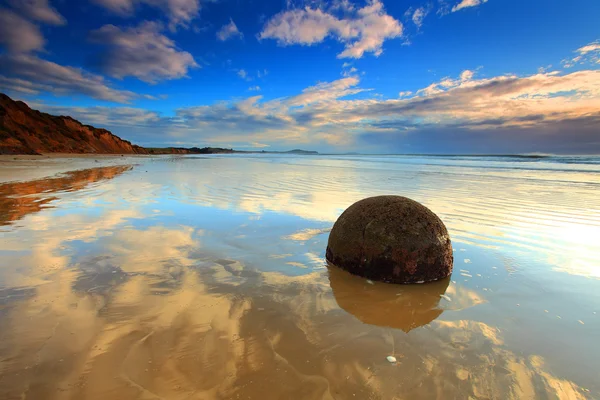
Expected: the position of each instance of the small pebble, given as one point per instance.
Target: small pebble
(391, 359)
(370, 282)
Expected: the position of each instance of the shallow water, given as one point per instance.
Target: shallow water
(204, 278)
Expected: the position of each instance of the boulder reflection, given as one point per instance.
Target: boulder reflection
(404, 307)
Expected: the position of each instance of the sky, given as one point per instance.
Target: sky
(371, 76)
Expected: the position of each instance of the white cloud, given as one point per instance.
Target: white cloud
(590, 48)
(349, 72)
(321, 112)
(121, 7)
(229, 31)
(30, 74)
(305, 26)
(254, 88)
(466, 75)
(105, 116)
(39, 10)
(19, 35)
(589, 53)
(419, 15)
(326, 114)
(506, 100)
(343, 5)
(365, 31)
(467, 3)
(179, 12)
(142, 52)
(327, 91)
(248, 76)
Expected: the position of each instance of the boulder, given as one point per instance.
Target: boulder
(391, 239)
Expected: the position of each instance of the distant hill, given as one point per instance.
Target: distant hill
(190, 150)
(298, 151)
(27, 131)
(219, 150)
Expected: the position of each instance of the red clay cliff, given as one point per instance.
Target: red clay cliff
(27, 131)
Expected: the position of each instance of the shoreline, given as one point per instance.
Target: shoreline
(21, 168)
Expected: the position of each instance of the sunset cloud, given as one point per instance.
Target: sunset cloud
(588, 54)
(327, 113)
(467, 3)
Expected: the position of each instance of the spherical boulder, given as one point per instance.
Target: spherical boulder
(391, 239)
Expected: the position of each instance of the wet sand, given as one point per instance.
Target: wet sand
(32, 167)
(205, 279)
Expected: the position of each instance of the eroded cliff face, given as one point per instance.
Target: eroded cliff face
(27, 131)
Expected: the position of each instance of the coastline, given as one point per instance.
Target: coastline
(16, 168)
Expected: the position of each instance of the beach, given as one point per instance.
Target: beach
(204, 277)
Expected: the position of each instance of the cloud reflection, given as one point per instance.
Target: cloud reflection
(207, 337)
(102, 297)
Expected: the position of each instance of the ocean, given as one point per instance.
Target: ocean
(204, 277)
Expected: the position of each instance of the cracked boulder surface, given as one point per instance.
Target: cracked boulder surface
(391, 239)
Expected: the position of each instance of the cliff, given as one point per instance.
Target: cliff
(27, 131)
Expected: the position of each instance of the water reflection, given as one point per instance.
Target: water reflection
(214, 331)
(173, 284)
(404, 307)
(18, 199)
(551, 212)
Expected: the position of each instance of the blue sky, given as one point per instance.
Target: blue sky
(452, 76)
